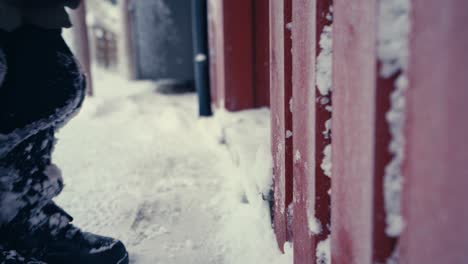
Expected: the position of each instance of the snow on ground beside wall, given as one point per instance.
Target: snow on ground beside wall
(142, 167)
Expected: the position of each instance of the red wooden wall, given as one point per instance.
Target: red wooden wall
(281, 116)
(311, 111)
(436, 174)
(356, 144)
(239, 56)
(275, 44)
(435, 167)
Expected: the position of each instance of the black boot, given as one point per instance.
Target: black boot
(55, 240)
(13, 257)
(76, 247)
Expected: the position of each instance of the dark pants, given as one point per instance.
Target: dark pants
(42, 90)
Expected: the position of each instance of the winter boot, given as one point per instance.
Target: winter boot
(77, 247)
(55, 240)
(13, 257)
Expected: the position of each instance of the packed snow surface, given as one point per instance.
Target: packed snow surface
(142, 167)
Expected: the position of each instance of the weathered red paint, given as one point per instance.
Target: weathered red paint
(303, 32)
(436, 172)
(354, 111)
(261, 62)
(232, 44)
(280, 94)
(322, 181)
(239, 54)
(384, 245)
(311, 185)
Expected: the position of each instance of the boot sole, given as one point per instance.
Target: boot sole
(124, 260)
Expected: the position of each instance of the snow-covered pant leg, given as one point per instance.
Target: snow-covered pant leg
(3, 66)
(42, 90)
(8, 256)
(28, 182)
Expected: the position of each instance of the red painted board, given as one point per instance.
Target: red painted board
(231, 53)
(354, 75)
(261, 38)
(281, 118)
(311, 185)
(436, 173)
(311, 112)
(303, 32)
(238, 54)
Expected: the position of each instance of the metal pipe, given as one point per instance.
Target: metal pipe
(200, 45)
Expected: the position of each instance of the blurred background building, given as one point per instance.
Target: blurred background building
(149, 40)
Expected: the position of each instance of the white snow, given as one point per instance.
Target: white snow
(324, 84)
(324, 62)
(297, 156)
(323, 252)
(328, 127)
(393, 35)
(142, 167)
(315, 227)
(200, 57)
(327, 160)
(291, 105)
(393, 39)
(103, 248)
(53, 173)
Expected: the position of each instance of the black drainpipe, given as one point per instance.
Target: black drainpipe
(200, 45)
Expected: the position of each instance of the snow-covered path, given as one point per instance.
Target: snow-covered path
(142, 167)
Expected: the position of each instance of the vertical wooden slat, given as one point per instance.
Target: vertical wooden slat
(354, 70)
(238, 54)
(280, 96)
(231, 41)
(261, 58)
(304, 128)
(436, 173)
(311, 112)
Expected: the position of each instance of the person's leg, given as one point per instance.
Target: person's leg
(8, 256)
(43, 88)
(28, 183)
(43, 85)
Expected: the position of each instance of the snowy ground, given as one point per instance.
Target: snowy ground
(142, 167)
